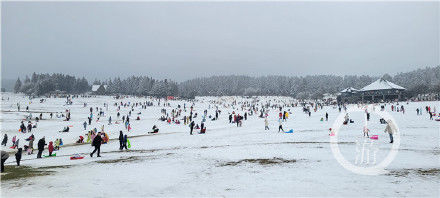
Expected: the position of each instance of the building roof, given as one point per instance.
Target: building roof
(349, 90)
(96, 87)
(381, 84)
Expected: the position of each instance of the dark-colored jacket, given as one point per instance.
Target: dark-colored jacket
(121, 136)
(97, 141)
(41, 144)
(5, 139)
(18, 154)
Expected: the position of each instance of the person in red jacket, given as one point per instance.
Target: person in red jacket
(50, 147)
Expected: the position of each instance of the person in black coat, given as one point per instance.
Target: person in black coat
(125, 142)
(18, 156)
(5, 140)
(121, 140)
(41, 144)
(191, 127)
(97, 144)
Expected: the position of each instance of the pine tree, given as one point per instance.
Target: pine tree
(17, 86)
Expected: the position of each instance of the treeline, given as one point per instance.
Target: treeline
(41, 84)
(420, 81)
(141, 86)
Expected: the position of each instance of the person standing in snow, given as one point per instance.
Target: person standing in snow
(16, 144)
(389, 129)
(125, 142)
(121, 140)
(366, 130)
(31, 146)
(326, 116)
(5, 140)
(191, 127)
(18, 156)
(97, 141)
(85, 125)
(50, 148)
(41, 144)
(266, 124)
(280, 127)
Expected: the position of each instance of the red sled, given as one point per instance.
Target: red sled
(75, 158)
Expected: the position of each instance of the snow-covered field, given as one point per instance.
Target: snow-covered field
(228, 160)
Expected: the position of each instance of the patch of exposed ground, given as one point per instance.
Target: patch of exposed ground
(18, 172)
(430, 172)
(262, 161)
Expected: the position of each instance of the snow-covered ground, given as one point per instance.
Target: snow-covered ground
(227, 160)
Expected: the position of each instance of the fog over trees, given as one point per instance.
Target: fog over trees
(419, 81)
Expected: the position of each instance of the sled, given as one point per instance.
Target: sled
(374, 137)
(75, 158)
(53, 155)
(70, 126)
(290, 131)
(437, 119)
(332, 134)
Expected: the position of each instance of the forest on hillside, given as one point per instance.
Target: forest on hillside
(419, 81)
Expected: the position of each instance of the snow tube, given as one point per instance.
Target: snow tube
(374, 137)
(290, 131)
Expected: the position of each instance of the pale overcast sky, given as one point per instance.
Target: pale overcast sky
(183, 40)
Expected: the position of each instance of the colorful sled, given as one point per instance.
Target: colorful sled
(289, 131)
(76, 156)
(374, 137)
(53, 155)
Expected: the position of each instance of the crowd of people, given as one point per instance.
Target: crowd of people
(181, 114)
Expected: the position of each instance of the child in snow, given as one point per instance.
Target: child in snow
(266, 124)
(280, 127)
(366, 130)
(80, 140)
(50, 148)
(13, 141)
(57, 144)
